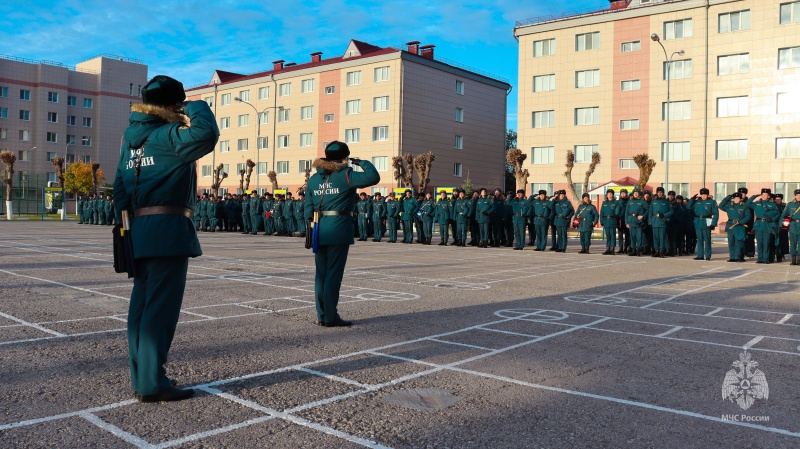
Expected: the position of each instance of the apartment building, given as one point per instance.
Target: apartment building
(48, 109)
(382, 101)
(598, 82)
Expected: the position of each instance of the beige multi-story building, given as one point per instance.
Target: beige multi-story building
(597, 82)
(383, 102)
(79, 113)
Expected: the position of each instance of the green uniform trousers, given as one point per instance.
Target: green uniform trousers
(541, 235)
(330, 261)
(152, 317)
(519, 234)
(246, 223)
(461, 231)
(377, 229)
(444, 232)
(703, 242)
(255, 223)
(204, 221)
(586, 238)
(735, 247)
(637, 238)
(659, 238)
(408, 231)
(561, 237)
(485, 231)
(362, 226)
(392, 229)
(268, 227)
(764, 241)
(427, 228)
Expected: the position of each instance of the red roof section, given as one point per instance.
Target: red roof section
(224, 76)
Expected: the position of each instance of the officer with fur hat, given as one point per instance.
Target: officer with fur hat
(660, 213)
(331, 198)
(363, 209)
(750, 240)
(462, 211)
(408, 212)
(610, 213)
(378, 208)
(392, 216)
(441, 215)
(155, 184)
(736, 226)
(587, 217)
(541, 211)
(521, 210)
(792, 212)
(675, 224)
(635, 219)
(484, 208)
(766, 215)
(562, 218)
(623, 233)
(706, 213)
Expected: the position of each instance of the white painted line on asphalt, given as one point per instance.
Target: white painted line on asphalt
(718, 309)
(125, 436)
(65, 285)
(753, 342)
(334, 377)
(699, 288)
(459, 344)
(785, 318)
(208, 433)
(197, 314)
(671, 331)
(29, 324)
(30, 422)
(491, 329)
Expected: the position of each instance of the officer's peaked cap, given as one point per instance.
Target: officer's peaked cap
(162, 90)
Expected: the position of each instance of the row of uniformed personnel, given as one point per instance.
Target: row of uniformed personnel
(95, 209)
(271, 214)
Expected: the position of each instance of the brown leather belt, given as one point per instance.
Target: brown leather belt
(163, 210)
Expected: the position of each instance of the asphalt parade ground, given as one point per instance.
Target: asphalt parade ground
(451, 348)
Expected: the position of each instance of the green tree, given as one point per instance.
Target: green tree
(510, 179)
(78, 178)
(467, 186)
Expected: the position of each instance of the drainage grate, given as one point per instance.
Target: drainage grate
(422, 398)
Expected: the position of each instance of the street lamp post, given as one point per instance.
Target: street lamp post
(668, 109)
(63, 186)
(258, 134)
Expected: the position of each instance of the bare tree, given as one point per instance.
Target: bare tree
(58, 164)
(219, 175)
(515, 158)
(95, 167)
(250, 164)
(592, 166)
(241, 180)
(9, 159)
(646, 166)
(568, 174)
(423, 164)
(273, 177)
(305, 184)
(403, 169)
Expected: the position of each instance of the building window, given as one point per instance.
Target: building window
(23, 155)
(283, 115)
(546, 186)
(87, 122)
(459, 143)
(52, 137)
(71, 100)
(263, 117)
(307, 85)
(24, 135)
(71, 120)
(788, 103)
(628, 47)
(52, 117)
(542, 155)
(680, 188)
(789, 58)
(786, 188)
(241, 168)
(587, 116)
(283, 141)
(284, 89)
(733, 64)
(224, 122)
(583, 153)
(353, 107)
(242, 144)
(225, 99)
(678, 29)
(283, 167)
(578, 186)
(224, 146)
(627, 164)
(545, 47)
(732, 107)
(25, 94)
(723, 189)
(630, 85)
(261, 168)
(86, 141)
(263, 143)
(3, 92)
(459, 87)
(3, 133)
(25, 115)
(306, 112)
(790, 12)
(457, 169)
(51, 176)
(209, 101)
(587, 78)
(71, 139)
(52, 97)
(676, 110)
(381, 190)
(381, 163)
(4, 113)
(330, 90)
(544, 83)
(51, 155)
(587, 41)
(88, 103)
(353, 78)
(263, 93)
(305, 139)
(626, 125)
(734, 21)
(302, 165)
(244, 120)
(731, 149)
(380, 133)
(352, 135)
(678, 151)
(544, 119)
(207, 171)
(380, 104)
(328, 118)
(244, 95)
(381, 74)
(678, 69)
(787, 148)
(225, 169)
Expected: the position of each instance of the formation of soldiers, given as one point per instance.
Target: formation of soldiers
(96, 210)
(251, 214)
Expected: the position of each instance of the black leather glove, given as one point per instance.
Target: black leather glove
(712, 227)
(660, 215)
(355, 160)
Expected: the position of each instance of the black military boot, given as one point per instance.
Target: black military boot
(587, 249)
(794, 260)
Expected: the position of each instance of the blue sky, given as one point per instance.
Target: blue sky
(189, 40)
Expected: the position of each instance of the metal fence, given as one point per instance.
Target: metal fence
(26, 195)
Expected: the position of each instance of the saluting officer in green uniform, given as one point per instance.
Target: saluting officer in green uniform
(392, 215)
(562, 217)
(408, 208)
(635, 219)
(378, 216)
(442, 217)
(299, 214)
(541, 210)
(288, 214)
(256, 211)
(155, 184)
(766, 215)
(363, 209)
(610, 213)
(587, 218)
(660, 213)
(331, 194)
(245, 205)
(738, 218)
(462, 210)
(211, 210)
(706, 215)
(792, 210)
(428, 209)
(484, 208)
(267, 203)
(521, 209)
